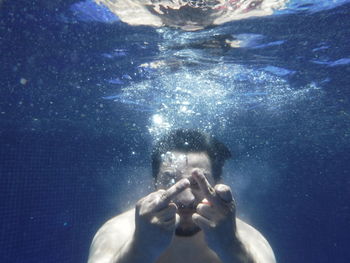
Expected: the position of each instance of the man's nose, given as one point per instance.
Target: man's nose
(185, 198)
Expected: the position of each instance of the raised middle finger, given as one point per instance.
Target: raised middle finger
(204, 185)
(171, 192)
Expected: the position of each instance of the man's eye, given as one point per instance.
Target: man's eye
(168, 174)
(168, 178)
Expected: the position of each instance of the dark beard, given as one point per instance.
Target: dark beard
(182, 232)
(190, 230)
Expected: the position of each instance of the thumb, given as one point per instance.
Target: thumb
(224, 192)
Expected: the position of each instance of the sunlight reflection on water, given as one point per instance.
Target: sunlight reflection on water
(189, 15)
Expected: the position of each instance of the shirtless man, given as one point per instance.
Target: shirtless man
(191, 217)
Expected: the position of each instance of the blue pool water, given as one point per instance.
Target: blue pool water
(83, 96)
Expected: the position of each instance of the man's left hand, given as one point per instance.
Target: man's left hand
(216, 213)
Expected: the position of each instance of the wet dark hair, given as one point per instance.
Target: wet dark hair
(188, 140)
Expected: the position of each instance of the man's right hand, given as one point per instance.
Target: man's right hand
(156, 218)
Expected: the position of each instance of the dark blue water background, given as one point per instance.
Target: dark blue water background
(74, 146)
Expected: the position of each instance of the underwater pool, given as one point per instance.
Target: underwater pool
(87, 89)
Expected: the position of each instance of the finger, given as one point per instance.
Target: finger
(202, 222)
(174, 190)
(206, 211)
(206, 202)
(169, 225)
(204, 185)
(177, 220)
(167, 213)
(224, 192)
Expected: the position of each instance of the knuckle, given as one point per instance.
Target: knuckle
(233, 205)
(199, 207)
(211, 190)
(162, 195)
(222, 188)
(172, 209)
(144, 213)
(162, 199)
(139, 204)
(212, 224)
(178, 185)
(195, 217)
(144, 208)
(154, 220)
(161, 191)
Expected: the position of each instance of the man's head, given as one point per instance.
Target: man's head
(185, 140)
(178, 155)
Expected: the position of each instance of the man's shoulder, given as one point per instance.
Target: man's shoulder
(255, 242)
(119, 227)
(123, 221)
(111, 236)
(245, 228)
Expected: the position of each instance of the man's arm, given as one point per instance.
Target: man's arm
(250, 246)
(111, 238)
(115, 242)
(231, 241)
(139, 235)
(254, 243)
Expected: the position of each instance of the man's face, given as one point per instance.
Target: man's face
(176, 166)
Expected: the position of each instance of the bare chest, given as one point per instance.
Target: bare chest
(189, 256)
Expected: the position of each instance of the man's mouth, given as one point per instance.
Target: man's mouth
(186, 211)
